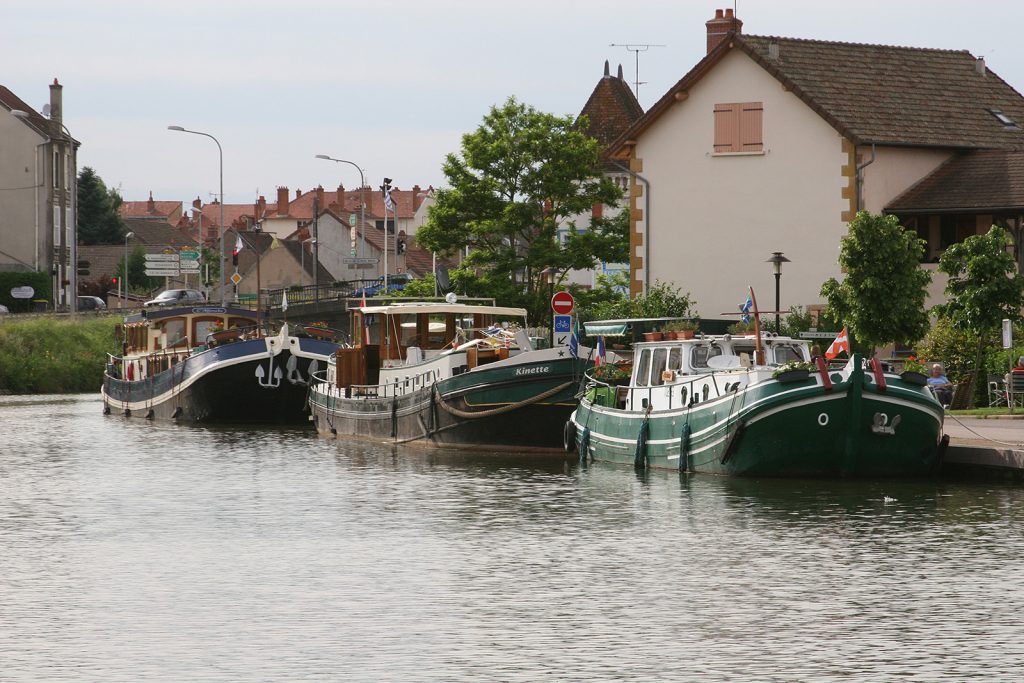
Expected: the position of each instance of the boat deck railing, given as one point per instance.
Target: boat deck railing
(393, 389)
(681, 394)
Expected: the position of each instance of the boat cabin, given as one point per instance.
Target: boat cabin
(427, 341)
(677, 373)
(154, 340)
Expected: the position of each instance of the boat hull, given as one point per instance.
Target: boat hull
(245, 382)
(777, 430)
(492, 408)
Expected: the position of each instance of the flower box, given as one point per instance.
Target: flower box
(792, 376)
(911, 377)
(653, 336)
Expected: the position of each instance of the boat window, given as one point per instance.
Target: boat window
(437, 331)
(786, 353)
(675, 358)
(372, 323)
(175, 331)
(202, 327)
(643, 368)
(700, 354)
(741, 348)
(407, 332)
(657, 365)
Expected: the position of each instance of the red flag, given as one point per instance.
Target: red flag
(841, 343)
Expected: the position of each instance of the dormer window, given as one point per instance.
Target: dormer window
(1003, 118)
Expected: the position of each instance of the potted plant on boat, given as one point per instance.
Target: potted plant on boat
(794, 371)
(915, 371)
(654, 335)
(609, 373)
(684, 329)
(742, 328)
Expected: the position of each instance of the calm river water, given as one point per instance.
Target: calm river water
(132, 551)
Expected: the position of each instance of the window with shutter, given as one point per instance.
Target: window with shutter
(738, 127)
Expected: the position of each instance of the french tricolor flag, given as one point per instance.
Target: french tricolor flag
(599, 353)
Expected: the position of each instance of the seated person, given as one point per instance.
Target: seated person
(940, 385)
(1020, 366)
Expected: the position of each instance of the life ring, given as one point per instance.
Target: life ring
(569, 436)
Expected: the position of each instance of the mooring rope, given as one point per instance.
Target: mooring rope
(504, 409)
(986, 438)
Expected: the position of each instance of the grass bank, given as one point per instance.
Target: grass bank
(50, 355)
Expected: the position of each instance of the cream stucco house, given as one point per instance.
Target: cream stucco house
(771, 145)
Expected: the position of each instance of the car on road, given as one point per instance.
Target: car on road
(396, 283)
(177, 297)
(91, 303)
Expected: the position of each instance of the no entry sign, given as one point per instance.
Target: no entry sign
(562, 303)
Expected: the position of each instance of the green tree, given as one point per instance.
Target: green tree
(984, 288)
(98, 220)
(138, 281)
(882, 297)
(520, 180)
(419, 288)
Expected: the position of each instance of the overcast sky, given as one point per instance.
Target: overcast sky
(391, 86)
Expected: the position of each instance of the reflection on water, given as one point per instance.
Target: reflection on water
(139, 551)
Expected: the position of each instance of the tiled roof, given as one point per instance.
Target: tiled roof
(157, 233)
(301, 208)
(160, 209)
(983, 180)
(877, 93)
(35, 119)
(232, 213)
(612, 108)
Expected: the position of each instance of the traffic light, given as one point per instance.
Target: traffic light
(113, 282)
(400, 246)
(234, 257)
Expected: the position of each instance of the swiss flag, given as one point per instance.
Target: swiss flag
(841, 343)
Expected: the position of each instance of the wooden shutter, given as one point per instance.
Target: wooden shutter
(751, 115)
(726, 128)
(738, 127)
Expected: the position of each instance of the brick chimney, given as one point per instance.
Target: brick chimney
(320, 197)
(57, 105)
(341, 196)
(150, 204)
(282, 201)
(261, 207)
(298, 193)
(197, 204)
(720, 26)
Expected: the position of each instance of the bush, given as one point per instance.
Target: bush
(40, 282)
(50, 355)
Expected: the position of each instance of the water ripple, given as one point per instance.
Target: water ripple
(136, 551)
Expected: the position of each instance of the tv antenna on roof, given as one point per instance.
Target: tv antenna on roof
(636, 48)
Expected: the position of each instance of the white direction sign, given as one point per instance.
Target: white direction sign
(162, 272)
(189, 266)
(162, 257)
(362, 261)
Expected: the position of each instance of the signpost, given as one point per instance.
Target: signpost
(162, 265)
(818, 335)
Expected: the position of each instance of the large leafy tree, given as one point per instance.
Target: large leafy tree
(882, 297)
(984, 287)
(520, 180)
(98, 220)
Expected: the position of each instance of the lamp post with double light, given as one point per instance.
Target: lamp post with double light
(777, 260)
(220, 229)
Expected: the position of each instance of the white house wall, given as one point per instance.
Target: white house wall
(894, 171)
(716, 219)
(24, 178)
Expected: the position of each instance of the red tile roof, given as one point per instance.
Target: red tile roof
(301, 208)
(161, 209)
(611, 109)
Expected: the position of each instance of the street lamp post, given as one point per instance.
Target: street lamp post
(311, 240)
(362, 200)
(220, 229)
(549, 277)
(124, 301)
(777, 260)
